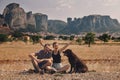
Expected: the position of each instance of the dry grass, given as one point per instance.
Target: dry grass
(97, 56)
(15, 63)
(20, 50)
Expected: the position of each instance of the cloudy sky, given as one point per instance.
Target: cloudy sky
(61, 9)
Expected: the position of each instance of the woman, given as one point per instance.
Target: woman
(57, 58)
(56, 55)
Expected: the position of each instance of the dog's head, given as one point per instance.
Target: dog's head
(67, 52)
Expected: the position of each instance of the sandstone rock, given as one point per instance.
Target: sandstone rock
(1, 20)
(31, 19)
(15, 16)
(41, 22)
(56, 26)
(92, 23)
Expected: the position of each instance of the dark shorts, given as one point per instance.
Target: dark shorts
(42, 63)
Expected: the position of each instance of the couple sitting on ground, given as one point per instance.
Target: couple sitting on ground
(48, 59)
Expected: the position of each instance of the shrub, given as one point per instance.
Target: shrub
(49, 37)
(35, 38)
(3, 37)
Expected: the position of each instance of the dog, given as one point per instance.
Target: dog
(77, 65)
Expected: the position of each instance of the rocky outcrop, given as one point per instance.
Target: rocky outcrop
(56, 26)
(92, 23)
(41, 22)
(15, 16)
(31, 19)
(18, 19)
(1, 20)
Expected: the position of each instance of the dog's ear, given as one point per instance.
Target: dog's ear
(69, 50)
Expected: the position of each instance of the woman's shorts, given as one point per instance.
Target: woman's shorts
(57, 65)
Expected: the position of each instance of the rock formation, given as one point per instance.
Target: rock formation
(31, 19)
(1, 20)
(41, 22)
(18, 19)
(15, 16)
(56, 26)
(91, 23)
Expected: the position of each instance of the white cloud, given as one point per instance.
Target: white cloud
(64, 4)
(110, 2)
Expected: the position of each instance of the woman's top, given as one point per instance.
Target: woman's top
(56, 57)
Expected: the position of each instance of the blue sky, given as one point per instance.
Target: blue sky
(61, 9)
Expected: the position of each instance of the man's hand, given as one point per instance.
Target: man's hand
(41, 42)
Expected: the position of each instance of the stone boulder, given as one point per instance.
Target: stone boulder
(15, 16)
(31, 19)
(41, 22)
(1, 20)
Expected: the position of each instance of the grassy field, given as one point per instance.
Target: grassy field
(97, 57)
(20, 50)
(101, 58)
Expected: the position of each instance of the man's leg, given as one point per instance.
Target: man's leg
(46, 63)
(35, 65)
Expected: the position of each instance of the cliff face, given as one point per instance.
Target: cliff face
(56, 26)
(15, 16)
(91, 23)
(18, 19)
(31, 19)
(41, 22)
(1, 20)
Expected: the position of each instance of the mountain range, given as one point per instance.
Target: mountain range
(17, 19)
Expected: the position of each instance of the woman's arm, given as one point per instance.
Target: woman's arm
(63, 48)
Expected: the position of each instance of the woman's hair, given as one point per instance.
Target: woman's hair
(54, 43)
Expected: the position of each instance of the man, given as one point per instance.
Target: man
(42, 60)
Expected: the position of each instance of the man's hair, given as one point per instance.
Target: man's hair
(46, 45)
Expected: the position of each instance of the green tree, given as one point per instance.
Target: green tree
(3, 38)
(49, 37)
(17, 34)
(72, 37)
(79, 41)
(64, 37)
(35, 38)
(104, 37)
(89, 38)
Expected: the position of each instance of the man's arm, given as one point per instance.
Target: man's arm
(34, 58)
(41, 43)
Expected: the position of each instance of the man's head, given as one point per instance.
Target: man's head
(46, 47)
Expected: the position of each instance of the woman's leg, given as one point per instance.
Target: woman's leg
(64, 68)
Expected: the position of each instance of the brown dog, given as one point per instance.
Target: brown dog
(77, 65)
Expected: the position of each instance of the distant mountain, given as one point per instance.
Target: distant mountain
(55, 26)
(17, 19)
(91, 23)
